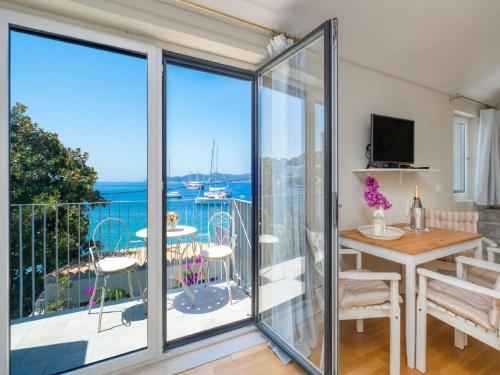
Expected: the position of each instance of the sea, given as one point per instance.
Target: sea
(128, 202)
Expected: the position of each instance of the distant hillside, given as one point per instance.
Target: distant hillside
(215, 177)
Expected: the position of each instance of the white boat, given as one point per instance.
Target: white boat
(194, 185)
(214, 195)
(174, 195)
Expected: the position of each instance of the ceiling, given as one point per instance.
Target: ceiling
(449, 45)
(452, 46)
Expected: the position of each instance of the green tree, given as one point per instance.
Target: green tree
(45, 176)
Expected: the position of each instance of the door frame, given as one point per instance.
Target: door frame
(10, 19)
(329, 30)
(195, 63)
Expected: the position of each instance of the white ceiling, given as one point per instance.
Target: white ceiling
(450, 45)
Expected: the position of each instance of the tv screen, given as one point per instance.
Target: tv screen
(392, 139)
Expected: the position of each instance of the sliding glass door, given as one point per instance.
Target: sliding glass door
(296, 107)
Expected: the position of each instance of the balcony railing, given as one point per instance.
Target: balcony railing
(49, 245)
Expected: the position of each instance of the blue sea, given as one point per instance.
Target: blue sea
(128, 201)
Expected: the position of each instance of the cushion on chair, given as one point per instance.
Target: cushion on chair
(217, 252)
(469, 305)
(358, 293)
(115, 264)
(482, 277)
(494, 313)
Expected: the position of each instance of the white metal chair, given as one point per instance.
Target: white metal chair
(466, 222)
(362, 295)
(106, 259)
(221, 241)
(470, 308)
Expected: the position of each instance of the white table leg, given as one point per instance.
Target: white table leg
(410, 313)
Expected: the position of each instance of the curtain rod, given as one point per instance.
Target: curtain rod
(458, 97)
(271, 31)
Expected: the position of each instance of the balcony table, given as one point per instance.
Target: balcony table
(411, 250)
(179, 232)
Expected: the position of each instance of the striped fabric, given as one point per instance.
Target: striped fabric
(454, 220)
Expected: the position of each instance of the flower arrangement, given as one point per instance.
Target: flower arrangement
(192, 272)
(172, 219)
(374, 198)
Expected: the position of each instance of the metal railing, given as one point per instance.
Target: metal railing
(49, 245)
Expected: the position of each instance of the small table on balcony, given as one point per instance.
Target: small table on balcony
(179, 232)
(411, 250)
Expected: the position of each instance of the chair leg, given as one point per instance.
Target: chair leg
(130, 285)
(421, 349)
(395, 338)
(207, 279)
(103, 296)
(460, 339)
(226, 268)
(359, 326)
(93, 292)
(139, 284)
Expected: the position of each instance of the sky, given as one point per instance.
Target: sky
(97, 100)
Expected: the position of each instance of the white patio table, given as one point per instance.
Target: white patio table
(179, 232)
(411, 250)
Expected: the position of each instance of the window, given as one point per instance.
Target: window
(459, 155)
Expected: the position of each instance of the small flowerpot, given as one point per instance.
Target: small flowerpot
(378, 222)
(172, 224)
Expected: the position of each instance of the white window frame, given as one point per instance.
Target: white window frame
(154, 349)
(462, 195)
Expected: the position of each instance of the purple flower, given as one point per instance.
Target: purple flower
(373, 197)
(89, 291)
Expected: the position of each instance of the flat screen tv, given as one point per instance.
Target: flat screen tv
(392, 141)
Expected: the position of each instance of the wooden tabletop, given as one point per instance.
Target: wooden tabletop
(414, 243)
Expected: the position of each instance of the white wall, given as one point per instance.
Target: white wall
(363, 91)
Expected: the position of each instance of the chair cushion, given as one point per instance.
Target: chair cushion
(469, 305)
(494, 313)
(358, 293)
(217, 252)
(482, 277)
(115, 264)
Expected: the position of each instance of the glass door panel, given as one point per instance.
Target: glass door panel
(295, 169)
(78, 202)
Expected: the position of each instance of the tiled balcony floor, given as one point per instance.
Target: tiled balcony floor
(54, 343)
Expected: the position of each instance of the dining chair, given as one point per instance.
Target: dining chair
(108, 256)
(470, 308)
(361, 295)
(466, 222)
(222, 240)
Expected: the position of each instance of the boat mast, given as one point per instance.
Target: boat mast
(211, 163)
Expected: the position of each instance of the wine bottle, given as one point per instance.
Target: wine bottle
(417, 215)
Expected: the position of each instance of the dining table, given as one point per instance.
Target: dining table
(414, 248)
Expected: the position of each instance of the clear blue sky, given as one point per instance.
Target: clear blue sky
(97, 100)
(203, 106)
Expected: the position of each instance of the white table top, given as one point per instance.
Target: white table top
(180, 231)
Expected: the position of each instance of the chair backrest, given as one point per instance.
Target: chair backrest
(455, 220)
(220, 229)
(110, 236)
(316, 247)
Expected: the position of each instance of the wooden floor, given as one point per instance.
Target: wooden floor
(368, 354)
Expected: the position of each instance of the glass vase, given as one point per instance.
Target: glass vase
(378, 222)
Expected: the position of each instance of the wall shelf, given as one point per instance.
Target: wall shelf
(401, 171)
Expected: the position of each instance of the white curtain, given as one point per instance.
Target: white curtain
(293, 319)
(487, 186)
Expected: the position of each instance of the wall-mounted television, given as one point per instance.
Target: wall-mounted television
(392, 141)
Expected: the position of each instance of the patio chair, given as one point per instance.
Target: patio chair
(221, 241)
(108, 261)
(470, 308)
(362, 295)
(467, 222)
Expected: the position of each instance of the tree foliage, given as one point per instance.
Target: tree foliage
(47, 232)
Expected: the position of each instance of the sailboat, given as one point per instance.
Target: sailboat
(174, 194)
(194, 184)
(214, 194)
